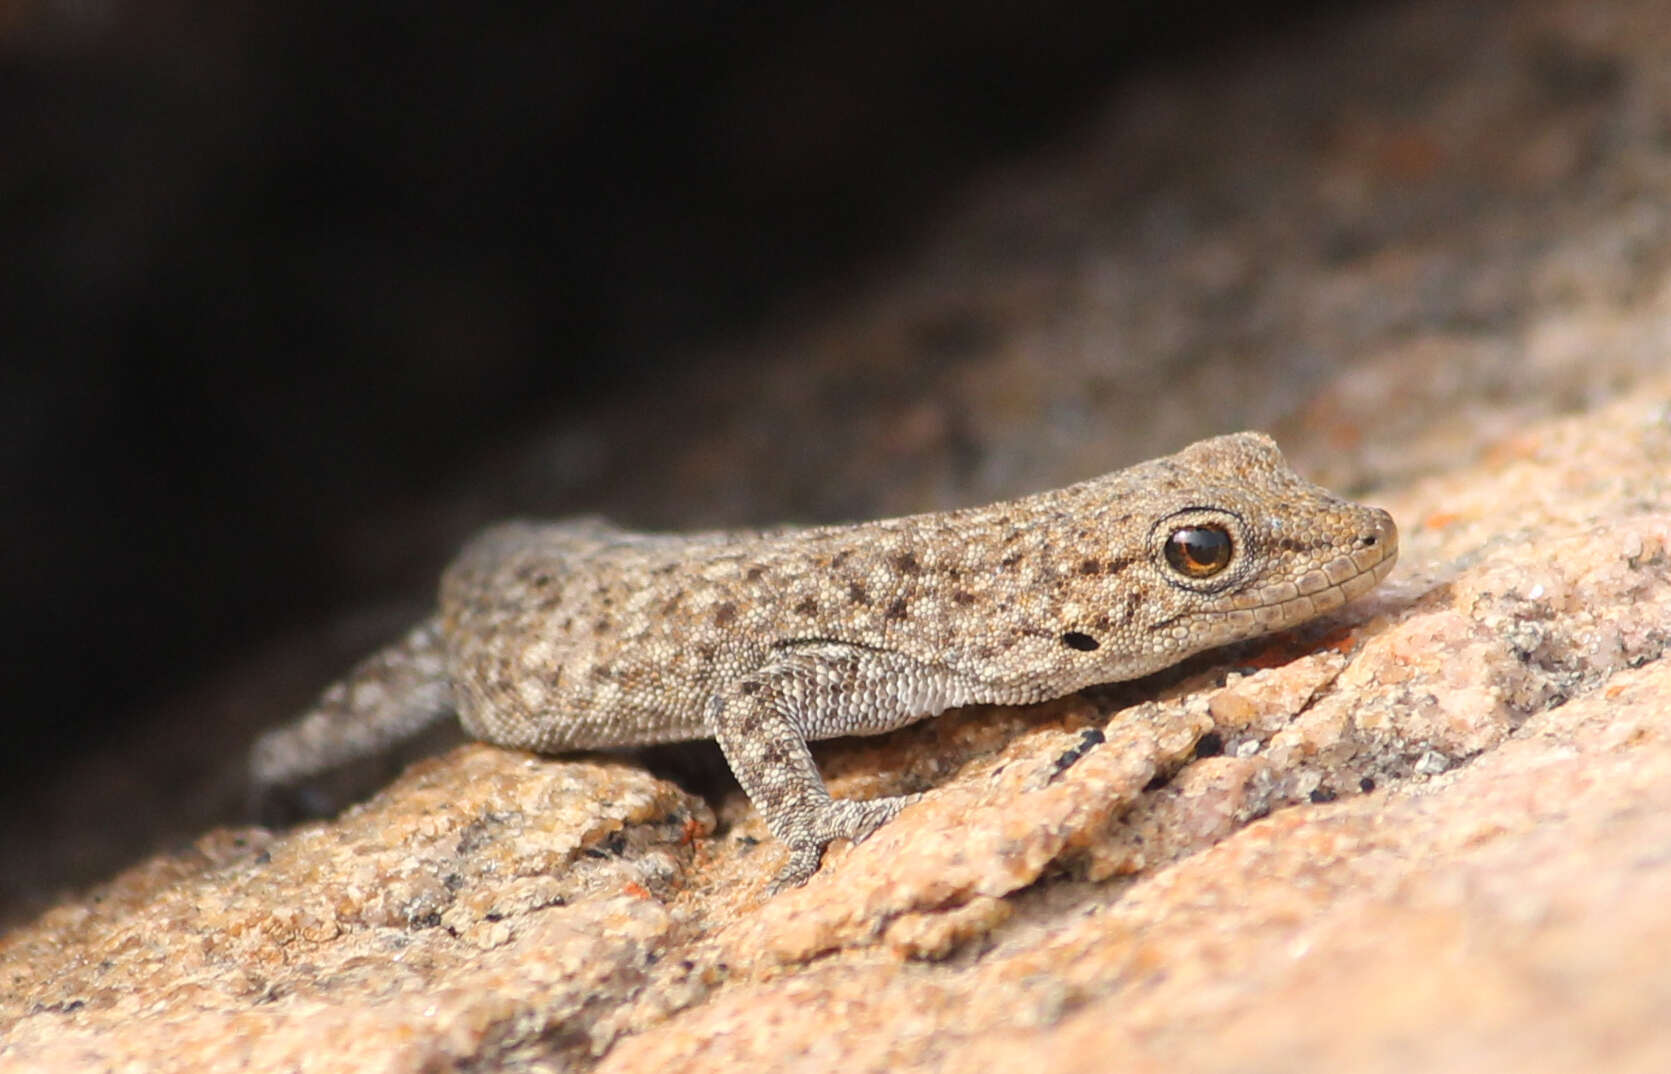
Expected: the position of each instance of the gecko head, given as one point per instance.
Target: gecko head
(1233, 544)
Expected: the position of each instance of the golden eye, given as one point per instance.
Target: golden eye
(1199, 551)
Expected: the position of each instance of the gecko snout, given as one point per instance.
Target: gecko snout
(1382, 532)
(1377, 544)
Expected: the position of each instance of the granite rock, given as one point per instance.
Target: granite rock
(1426, 832)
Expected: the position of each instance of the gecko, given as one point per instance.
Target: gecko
(577, 635)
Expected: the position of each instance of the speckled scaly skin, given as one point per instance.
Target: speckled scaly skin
(576, 635)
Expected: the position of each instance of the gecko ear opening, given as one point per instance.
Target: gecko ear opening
(1073, 639)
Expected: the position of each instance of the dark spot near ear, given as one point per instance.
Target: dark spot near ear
(906, 563)
(896, 610)
(750, 687)
(1089, 566)
(962, 596)
(1073, 639)
(1102, 622)
(806, 607)
(856, 593)
(724, 614)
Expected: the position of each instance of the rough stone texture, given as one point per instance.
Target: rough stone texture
(1426, 833)
(1496, 901)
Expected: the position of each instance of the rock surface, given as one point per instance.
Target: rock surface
(1426, 833)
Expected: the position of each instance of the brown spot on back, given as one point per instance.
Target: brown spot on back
(1119, 563)
(755, 573)
(906, 563)
(725, 614)
(856, 593)
(806, 607)
(896, 610)
(1010, 560)
(963, 596)
(1089, 566)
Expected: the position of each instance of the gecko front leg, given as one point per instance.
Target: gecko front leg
(764, 720)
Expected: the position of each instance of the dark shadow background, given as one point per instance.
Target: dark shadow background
(269, 271)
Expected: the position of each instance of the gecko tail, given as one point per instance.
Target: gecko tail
(389, 700)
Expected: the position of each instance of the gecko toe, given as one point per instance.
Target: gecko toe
(840, 819)
(803, 862)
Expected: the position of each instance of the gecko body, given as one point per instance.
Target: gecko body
(578, 635)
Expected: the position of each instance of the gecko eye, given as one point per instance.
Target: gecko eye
(1199, 551)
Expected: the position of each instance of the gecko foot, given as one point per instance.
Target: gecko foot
(839, 819)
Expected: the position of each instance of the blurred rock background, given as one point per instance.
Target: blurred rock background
(295, 298)
(274, 280)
